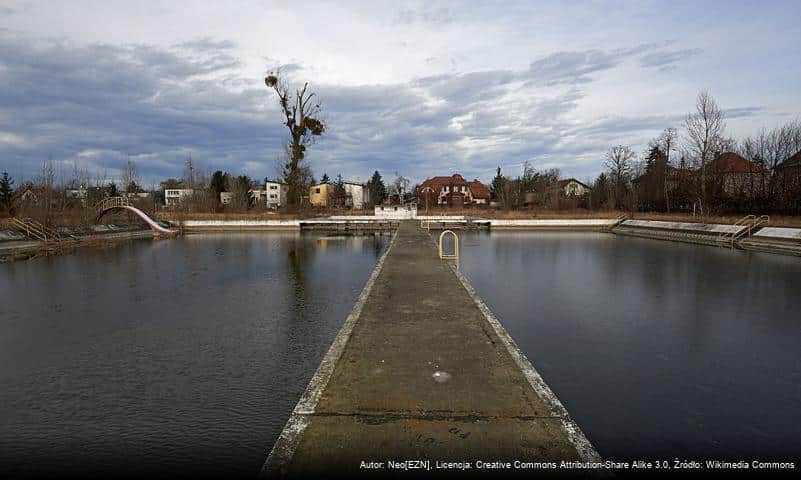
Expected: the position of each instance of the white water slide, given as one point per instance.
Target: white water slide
(123, 203)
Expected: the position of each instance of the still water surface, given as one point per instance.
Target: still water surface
(177, 357)
(657, 349)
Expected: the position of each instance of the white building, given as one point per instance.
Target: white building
(357, 195)
(174, 196)
(396, 212)
(80, 194)
(570, 187)
(274, 194)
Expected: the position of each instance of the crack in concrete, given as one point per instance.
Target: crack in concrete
(384, 417)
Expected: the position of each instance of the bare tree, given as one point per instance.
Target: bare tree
(189, 172)
(47, 182)
(667, 142)
(769, 149)
(704, 135)
(130, 177)
(80, 176)
(619, 163)
(400, 186)
(301, 112)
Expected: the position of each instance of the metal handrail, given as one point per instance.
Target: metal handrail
(455, 254)
(750, 222)
(112, 202)
(34, 229)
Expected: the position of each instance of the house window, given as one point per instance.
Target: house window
(272, 195)
(316, 190)
(273, 187)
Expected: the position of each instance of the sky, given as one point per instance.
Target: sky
(414, 88)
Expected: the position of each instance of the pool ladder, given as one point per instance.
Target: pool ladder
(449, 256)
(748, 223)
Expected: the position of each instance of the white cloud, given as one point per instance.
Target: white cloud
(420, 87)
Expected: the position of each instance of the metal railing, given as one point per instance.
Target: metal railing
(112, 202)
(449, 256)
(618, 220)
(748, 223)
(34, 230)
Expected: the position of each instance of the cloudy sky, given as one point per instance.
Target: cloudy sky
(421, 88)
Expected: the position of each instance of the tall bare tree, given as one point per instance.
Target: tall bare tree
(704, 134)
(130, 177)
(189, 172)
(667, 142)
(619, 163)
(301, 111)
(400, 186)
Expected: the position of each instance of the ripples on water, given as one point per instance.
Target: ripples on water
(182, 357)
(657, 349)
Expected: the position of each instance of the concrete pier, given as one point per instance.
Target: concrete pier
(422, 370)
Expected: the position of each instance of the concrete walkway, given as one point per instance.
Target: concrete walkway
(378, 395)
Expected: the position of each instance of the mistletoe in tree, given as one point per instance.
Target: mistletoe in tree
(301, 111)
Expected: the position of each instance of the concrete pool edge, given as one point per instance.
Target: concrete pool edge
(284, 447)
(580, 442)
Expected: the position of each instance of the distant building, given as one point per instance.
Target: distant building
(258, 196)
(396, 212)
(28, 194)
(357, 196)
(136, 195)
(453, 191)
(788, 173)
(320, 195)
(736, 175)
(174, 196)
(275, 193)
(80, 194)
(226, 198)
(570, 187)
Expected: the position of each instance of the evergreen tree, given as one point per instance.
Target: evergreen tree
(339, 188)
(6, 190)
(600, 191)
(240, 188)
(325, 178)
(378, 191)
(217, 184)
(111, 190)
(498, 186)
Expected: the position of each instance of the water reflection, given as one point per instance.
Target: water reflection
(656, 348)
(178, 357)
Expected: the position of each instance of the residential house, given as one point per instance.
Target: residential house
(29, 194)
(321, 195)
(226, 198)
(275, 193)
(357, 196)
(174, 196)
(258, 196)
(736, 175)
(80, 194)
(570, 187)
(788, 172)
(453, 191)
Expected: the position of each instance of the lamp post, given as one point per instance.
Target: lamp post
(425, 192)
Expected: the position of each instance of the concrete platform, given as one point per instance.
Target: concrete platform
(378, 396)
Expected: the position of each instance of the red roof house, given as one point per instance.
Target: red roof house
(454, 191)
